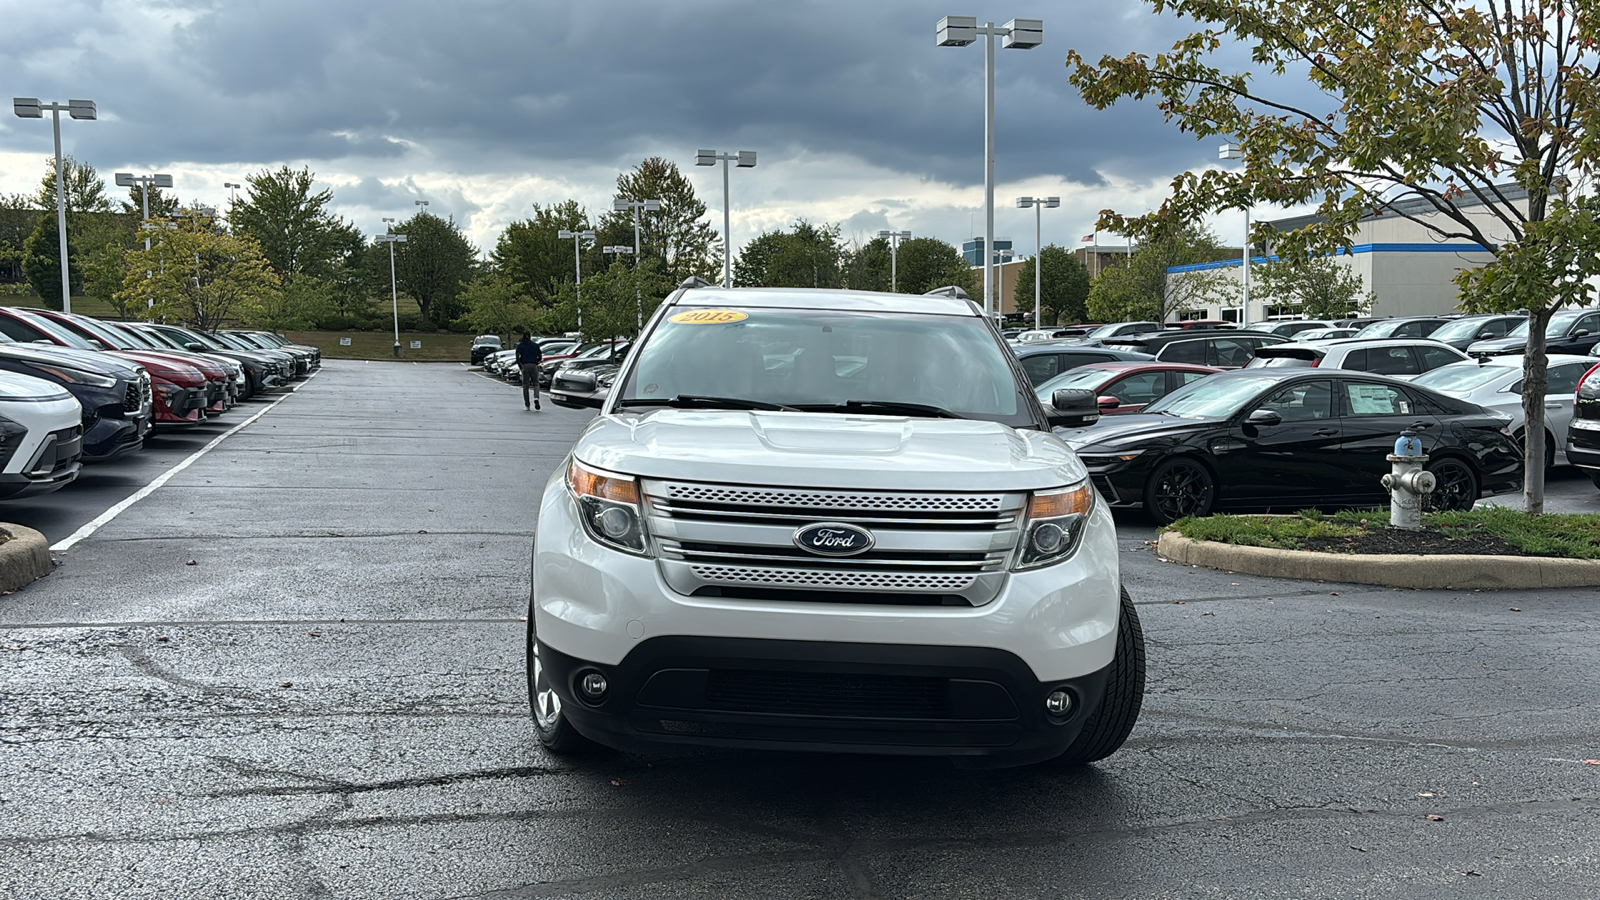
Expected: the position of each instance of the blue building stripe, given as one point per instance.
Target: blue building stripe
(1459, 247)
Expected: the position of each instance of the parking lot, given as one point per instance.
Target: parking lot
(296, 670)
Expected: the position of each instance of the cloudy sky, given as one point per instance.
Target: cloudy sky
(483, 107)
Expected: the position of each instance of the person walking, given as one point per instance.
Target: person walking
(528, 357)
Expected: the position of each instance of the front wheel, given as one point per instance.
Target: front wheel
(1113, 720)
(1178, 488)
(1455, 488)
(555, 732)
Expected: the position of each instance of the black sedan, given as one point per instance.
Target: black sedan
(1570, 331)
(1290, 439)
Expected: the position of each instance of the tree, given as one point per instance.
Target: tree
(678, 234)
(495, 304)
(201, 277)
(85, 191)
(534, 255)
(104, 271)
(1143, 289)
(926, 263)
(809, 256)
(292, 224)
(1442, 102)
(1316, 286)
(1063, 286)
(433, 265)
(41, 261)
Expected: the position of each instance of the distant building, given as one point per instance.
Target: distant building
(972, 251)
(1409, 269)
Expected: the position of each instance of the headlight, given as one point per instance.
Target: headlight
(79, 376)
(609, 507)
(1055, 525)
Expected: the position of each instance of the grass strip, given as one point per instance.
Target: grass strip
(1566, 535)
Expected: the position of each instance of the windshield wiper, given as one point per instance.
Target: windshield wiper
(890, 407)
(693, 400)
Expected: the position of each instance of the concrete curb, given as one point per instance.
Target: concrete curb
(24, 559)
(1391, 570)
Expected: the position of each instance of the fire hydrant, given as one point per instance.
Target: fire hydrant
(1407, 482)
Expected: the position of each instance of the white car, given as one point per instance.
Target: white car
(41, 436)
(796, 526)
(1383, 356)
(1496, 384)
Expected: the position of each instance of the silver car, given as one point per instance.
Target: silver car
(1496, 384)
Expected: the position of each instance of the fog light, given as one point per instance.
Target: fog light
(1059, 703)
(593, 686)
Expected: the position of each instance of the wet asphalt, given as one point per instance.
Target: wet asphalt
(296, 670)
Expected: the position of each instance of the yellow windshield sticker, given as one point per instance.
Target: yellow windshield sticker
(708, 317)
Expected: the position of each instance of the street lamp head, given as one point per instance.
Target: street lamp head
(747, 159)
(957, 31)
(652, 206)
(82, 109)
(161, 181)
(123, 179)
(620, 204)
(1229, 151)
(1025, 34)
(587, 235)
(884, 234)
(701, 157)
(1024, 202)
(27, 107)
(1052, 202)
(229, 184)
(565, 234)
(904, 235)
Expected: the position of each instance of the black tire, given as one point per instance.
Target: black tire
(1594, 476)
(555, 732)
(1457, 485)
(1178, 488)
(1113, 720)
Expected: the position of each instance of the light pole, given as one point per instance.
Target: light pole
(231, 186)
(1019, 34)
(145, 182)
(618, 205)
(1232, 151)
(578, 237)
(745, 159)
(31, 108)
(894, 238)
(1038, 203)
(423, 204)
(394, 289)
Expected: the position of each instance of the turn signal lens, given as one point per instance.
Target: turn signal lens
(1072, 501)
(586, 482)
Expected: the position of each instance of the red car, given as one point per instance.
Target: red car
(1124, 387)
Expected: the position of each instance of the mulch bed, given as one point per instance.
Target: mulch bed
(1427, 541)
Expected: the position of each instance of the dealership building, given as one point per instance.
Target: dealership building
(1408, 269)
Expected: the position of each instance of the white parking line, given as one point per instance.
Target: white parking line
(100, 520)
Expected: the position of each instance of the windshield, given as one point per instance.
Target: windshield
(1463, 378)
(1105, 331)
(1212, 398)
(56, 330)
(1556, 328)
(186, 336)
(111, 339)
(1082, 379)
(1378, 329)
(825, 358)
(159, 338)
(130, 336)
(1460, 328)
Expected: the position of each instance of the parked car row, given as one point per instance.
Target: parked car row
(577, 374)
(119, 380)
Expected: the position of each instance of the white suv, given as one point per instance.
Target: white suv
(830, 521)
(1380, 356)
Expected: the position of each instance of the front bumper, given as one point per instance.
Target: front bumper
(1053, 625)
(1583, 443)
(977, 703)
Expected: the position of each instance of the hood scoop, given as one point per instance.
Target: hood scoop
(853, 435)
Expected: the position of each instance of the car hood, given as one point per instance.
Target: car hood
(824, 449)
(26, 387)
(1497, 345)
(1123, 429)
(90, 360)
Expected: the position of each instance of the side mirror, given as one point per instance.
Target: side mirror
(1581, 332)
(1072, 408)
(1264, 418)
(1109, 402)
(194, 346)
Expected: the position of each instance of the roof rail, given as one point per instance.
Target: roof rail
(949, 290)
(694, 281)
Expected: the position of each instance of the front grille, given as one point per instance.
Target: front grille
(737, 541)
(1107, 490)
(817, 694)
(59, 451)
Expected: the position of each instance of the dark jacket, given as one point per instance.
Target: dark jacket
(528, 353)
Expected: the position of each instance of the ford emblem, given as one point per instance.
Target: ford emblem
(834, 539)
